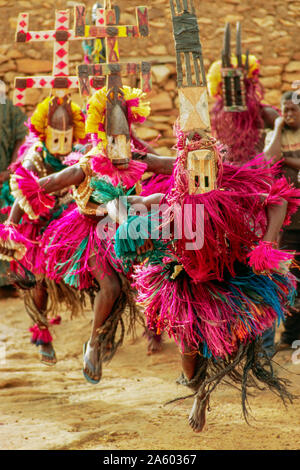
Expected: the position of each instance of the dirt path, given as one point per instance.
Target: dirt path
(54, 408)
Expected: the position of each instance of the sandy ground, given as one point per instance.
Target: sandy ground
(54, 408)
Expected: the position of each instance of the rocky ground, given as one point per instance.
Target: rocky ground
(54, 408)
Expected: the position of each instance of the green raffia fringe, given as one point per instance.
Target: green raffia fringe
(7, 199)
(105, 191)
(50, 160)
(132, 235)
(72, 278)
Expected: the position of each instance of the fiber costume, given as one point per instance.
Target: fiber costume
(55, 127)
(83, 260)
(238, 115)
(215, 299)
(70, 242)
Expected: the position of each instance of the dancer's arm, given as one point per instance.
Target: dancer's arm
(118, 212)
(292, 162)
(72, 176)
(159, 164)
(146, 201)
(276, 215)
(269, 116)
(144, 144)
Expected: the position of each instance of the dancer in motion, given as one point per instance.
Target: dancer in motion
(215, 297)
(55, 127)
(240, 121)
(13, 132)
(75, 246)
(283, 144)
(239, 118)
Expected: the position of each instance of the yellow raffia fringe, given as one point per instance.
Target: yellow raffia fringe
(39, 119)
(214, 77)
(97, 106)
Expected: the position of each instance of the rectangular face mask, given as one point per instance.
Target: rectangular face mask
(234, 90)
(59, 142)
(118, 148)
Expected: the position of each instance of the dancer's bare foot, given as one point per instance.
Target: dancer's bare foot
(197, 418)
(154, 342)
(48, 354)
(92, 362)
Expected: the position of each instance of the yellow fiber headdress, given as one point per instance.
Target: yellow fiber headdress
(39, 119)
(138, 110)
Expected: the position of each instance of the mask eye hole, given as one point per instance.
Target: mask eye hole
(66, 140)
(56, 141)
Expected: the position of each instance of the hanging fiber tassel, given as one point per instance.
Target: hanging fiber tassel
(281, 189)
(133, 234)
(103, 166)
(266, 258)
(40, 336)
(32, 198)
(105, 191)
(35, 333)
(55, 321)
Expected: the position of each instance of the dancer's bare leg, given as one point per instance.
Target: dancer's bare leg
(188, 361)
(40, 298)
(197, 417)
(105, 299)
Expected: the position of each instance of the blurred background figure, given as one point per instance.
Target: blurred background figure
(12, 134)
(284, 144)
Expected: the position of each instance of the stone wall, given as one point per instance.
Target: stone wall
(270, 31)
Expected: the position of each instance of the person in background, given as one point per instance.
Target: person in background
(12, 134)
(240, 119)
(284, 143)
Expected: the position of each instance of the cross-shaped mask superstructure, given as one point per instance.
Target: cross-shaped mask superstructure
(106, 28)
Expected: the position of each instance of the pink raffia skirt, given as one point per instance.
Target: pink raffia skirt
(68, 245)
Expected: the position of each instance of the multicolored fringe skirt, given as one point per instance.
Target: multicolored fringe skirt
(33, 231)
(215, 316)
(69, 243)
